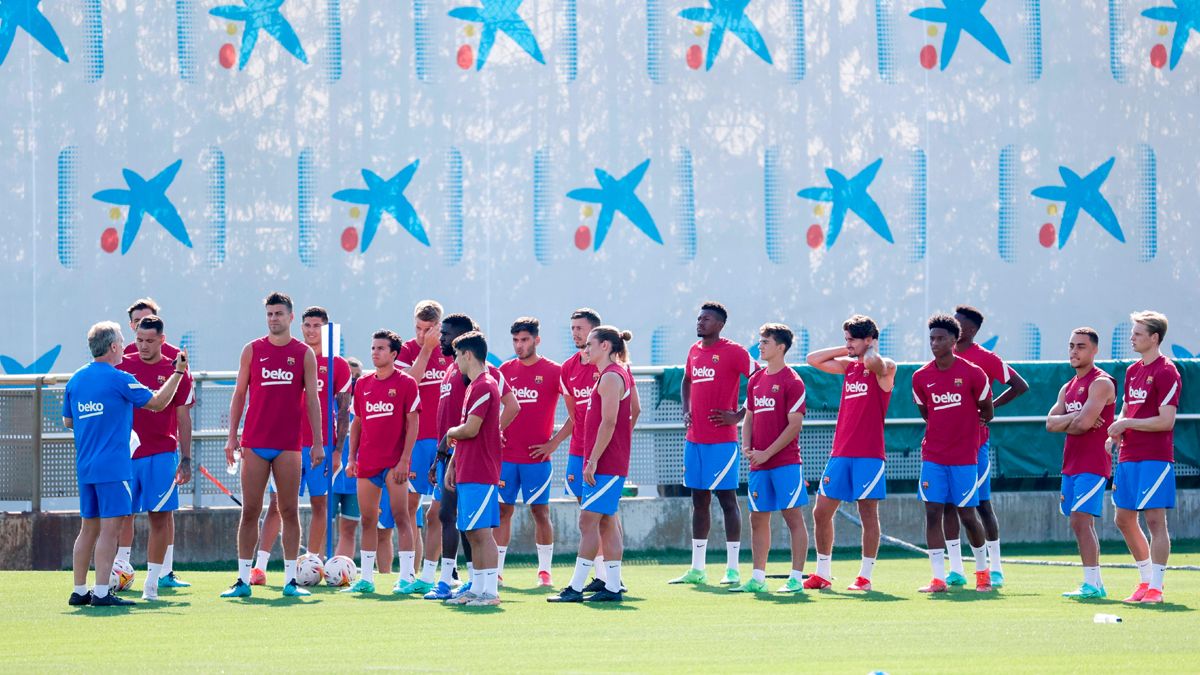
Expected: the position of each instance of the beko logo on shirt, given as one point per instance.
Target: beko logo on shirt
(381, 407)
(445, 389)
(526, 394)
(581, 393)
(703, 373)
(431, 374)
(1074, 406)
(277, 376)
(946, 398)
(764, 403)
(1136, 394)
(90, 409)
(856, 387)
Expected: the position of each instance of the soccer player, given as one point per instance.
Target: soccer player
(775, 413)
(423, 359)
(316, 479)
(473, 471)
(855, 471)
(1144, 433)
(386, 413)
(710, 461)
(278, 374)
(98, 407)
(141, 308)
(528, 442)
(1084, 411)
(345, 488)
(450, 407)
(970, 319)
(163, 458)
(608, 437)
(953, 396)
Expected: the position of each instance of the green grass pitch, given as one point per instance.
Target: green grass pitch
(1024, 628)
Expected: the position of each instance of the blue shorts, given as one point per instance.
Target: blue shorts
(105, 500)
(532, 481)
(424, 453)
(604, 496)
(386, 520)
(478, 506)
(850, 479)
(574, 479)
(343, 484)
(1149, 484)
(1082, 492)
(777, 489)
(712, 466)
(345, 506)
(949, 484)
(441, 480)
(983, 472)
(313, 479)
(267, 454)
(153, 486)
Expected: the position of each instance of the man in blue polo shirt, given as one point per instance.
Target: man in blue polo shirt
(98, 406)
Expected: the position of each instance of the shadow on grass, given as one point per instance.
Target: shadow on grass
(797, 598)
(1160, 607)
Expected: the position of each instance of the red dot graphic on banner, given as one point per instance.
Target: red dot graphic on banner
(1046, 235)
(929, 57)
(227, 56)
(1158, 56)
(109, 239)
(695, 57)
(583, 237)
(349, 239)
(465, 57)
(815, 236)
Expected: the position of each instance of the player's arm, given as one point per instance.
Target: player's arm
(883, 368)
(917, 400)
(166, 393)
(830, 360)
(429, 342)
(987, 410)
(1100, 392)
(352, 457)
(542, 451)
(748, 435)
(789, 434)
(1163, 421)
(411, 423)
(685, 396)
(312, 399)
(635, 406)
(509, 408)
(610, 387)
(1016, 386)
(183, 425)
(237, 404)
(1058, 420)
(468, 429)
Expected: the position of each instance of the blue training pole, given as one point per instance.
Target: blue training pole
(330, 442)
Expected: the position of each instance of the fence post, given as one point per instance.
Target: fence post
(197, 491)
(35, 500)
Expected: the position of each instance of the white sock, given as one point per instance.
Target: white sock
(798, 575)
(731, 554)
(937, 560)
(407, 563)
(1144, 571)
(289, 571)
(101, 590)
(993, 551)
(428, 570)
(501, 551)
(447, 570)
(261, 562)
(824, 566)
(81, 590)
(613, 572)
(598, 568)
(1091, 576)
(699, 552)
(491, 581)
(476, 577)
(153, 571)
(954, 550)
(980, 558)
(470, 570)
(367, 569)
(545, 556)
(244, 565)
(583, 567)
(1156, 576)
(759, 575)
(123, 553)
(867, 566)
(168, 563)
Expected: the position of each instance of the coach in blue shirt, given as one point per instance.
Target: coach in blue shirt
(98, 405)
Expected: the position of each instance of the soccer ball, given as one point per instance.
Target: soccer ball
(309, 570)
(121, 578)
(340, 571)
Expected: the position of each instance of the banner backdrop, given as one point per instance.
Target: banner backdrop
(798, 160)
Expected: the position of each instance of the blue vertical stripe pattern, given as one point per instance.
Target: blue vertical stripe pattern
(685, 204)
(1116, 39)
(1006, 242)
(189, 342)
(541, 206)
(885, 40)
(421, 40)
(452, 240)
(68, 183)
(333, 41)
(918, 206)
(1147, 165)
(185, 39)
(215, 210)
(305, 193)
(797, 60)
(659, 344)
(93, 35)
(570, 42)
(654, 40)
(771, 207)
(1031, 339)
(887, 342)
(1120, 341)
(1033, 40)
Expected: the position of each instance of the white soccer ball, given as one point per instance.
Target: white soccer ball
(121, 578)
(340, 571)
(309, 570)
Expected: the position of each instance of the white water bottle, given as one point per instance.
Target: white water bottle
(1106, 618)
(232, 469)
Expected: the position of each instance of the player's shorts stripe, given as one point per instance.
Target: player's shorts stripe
(1079, 502)
(165, 497)
(874, 482)
(821, 486)
(596, 495)
(1154, 488)
(921, 491)
(750, 496)
(795, 496)
(987, 472)
(482, 505)
(545, 486)
(721, 476)
(127, 488)
(967, 499)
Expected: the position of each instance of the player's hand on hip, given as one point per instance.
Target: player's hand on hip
(723, 418)
(687, 420)
(542, 451)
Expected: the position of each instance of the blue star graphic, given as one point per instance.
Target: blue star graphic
(24, 14)
(41, 364)
(1179, 352)
(1082, 193)
(386, 196)
(850, 194)
(727, 15)
(147, 197)
(261, 15)
(499, 15)
(960, 16)
(1186, 17)
(615, 195)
